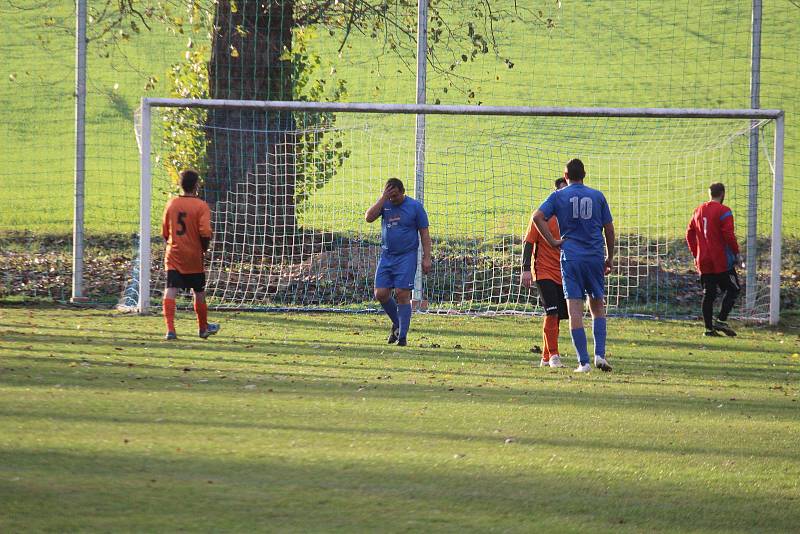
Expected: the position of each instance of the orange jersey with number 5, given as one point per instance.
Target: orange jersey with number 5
(185, 221)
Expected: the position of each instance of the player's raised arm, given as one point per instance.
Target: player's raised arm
(374, 211)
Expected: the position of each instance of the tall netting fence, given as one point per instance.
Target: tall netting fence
(667, 53)
(289, 228)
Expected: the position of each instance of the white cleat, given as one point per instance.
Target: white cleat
(602, 364)
(585, 368)
(544, 363)
(555, 361)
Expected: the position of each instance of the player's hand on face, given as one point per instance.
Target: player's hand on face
(426, 265)
(527, 278)
(609, 265)
(388, 191)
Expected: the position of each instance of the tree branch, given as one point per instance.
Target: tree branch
(349, 25)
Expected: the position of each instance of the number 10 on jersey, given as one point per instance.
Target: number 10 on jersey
(581, 207)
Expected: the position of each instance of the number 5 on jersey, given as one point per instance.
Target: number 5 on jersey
(181, 223)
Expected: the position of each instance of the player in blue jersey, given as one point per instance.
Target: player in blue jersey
(404, 224)
(586, 257)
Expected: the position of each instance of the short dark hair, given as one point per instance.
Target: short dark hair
(575, 170)
(396, 182)
(189, 179)
(716, 190)
(559, 182)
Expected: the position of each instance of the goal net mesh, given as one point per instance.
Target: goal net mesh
(288, 192)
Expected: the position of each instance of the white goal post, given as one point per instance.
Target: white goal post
(772, 291)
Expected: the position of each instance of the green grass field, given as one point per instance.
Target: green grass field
(311, 423)
(626, 54)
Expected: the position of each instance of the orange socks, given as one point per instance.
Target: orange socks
(550, 330)
(169, 314)
(202, 315)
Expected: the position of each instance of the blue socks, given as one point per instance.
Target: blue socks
(579, 342)
(404, 311)
(390, 307)
(599, 333)
(400, 314)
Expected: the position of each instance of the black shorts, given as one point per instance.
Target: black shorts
(552, 298)
(196, 281)
(728, 281)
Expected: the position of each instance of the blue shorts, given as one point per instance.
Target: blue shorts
(582, 278)
(396, 271)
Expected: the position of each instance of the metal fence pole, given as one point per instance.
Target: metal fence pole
(419, 157)
(80, 153)
(752, 187)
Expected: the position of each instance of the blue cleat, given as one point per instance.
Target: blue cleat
(171, 336)
(212, 329)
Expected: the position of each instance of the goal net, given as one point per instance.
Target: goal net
(288, 190)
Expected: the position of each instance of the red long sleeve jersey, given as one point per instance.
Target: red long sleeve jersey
(711, 238)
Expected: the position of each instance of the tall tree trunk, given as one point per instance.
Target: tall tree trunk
(251, 154)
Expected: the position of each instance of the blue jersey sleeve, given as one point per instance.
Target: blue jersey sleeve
(548, 207)
(422, 217)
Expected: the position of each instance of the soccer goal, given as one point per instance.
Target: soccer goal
(289, 182)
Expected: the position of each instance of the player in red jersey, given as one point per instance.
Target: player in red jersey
(713, 244)
(186, 227)
(547, 275)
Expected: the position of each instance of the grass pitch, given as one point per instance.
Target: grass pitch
(311, 423)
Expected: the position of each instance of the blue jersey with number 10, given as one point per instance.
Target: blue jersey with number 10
(581, 212)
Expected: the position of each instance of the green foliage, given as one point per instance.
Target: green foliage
(320, 149)
(183, 129)
(320, 152)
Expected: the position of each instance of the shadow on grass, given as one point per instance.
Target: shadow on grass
(343, 385)
(434, 363)
(138, 491)
(402, 430)
(366, 347)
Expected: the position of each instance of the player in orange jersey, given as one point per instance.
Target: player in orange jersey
(547, 275)
(186, 227)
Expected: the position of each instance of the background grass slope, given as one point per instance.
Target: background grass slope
(677, 53)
